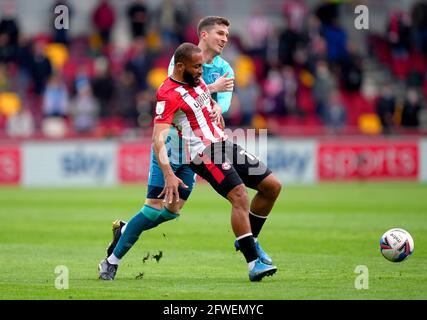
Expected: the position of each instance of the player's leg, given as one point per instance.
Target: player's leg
(151, 214)
(268, 191)
(154, 211)
(256, 175)
(225, 180)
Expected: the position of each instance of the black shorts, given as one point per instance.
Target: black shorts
(226, 165)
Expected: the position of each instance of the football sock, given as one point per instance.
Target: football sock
(256, 223)
(113, 259)
(247, 247)
(146, 219)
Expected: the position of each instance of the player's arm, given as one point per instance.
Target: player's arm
(216, 112)
(222, 84)
(172, 182)
(165, 111)
(224, 97)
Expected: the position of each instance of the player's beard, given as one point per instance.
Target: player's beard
(192, 81)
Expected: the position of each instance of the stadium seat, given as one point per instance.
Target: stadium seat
(369, 123)
(306, 100)
(419, 62)
(54, 127)
(401, 66)
(356, 104)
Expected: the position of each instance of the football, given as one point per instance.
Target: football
(396, 245)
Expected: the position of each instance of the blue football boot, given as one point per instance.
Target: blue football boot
(265, 258)
(261, 270)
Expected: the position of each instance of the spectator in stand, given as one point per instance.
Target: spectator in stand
(273, 101)
(140, 62)
(351, 71)
(40, 66)
(7, 51)
(336, 41)
(84, 109)
(290, 88)
(336, 114)
(327, 12)
(288, 43)
(127, 90)
(258, 33)
(103, 87)
(411, 109)
(248, 93)
(324, 85)
(386, 108)
(316, 45)
(55, 98)
(398, 33)
(171, 22)
(419, 23)
(295, 12)
(104, 18)
(8, 24)
(9, 34)
(21, 124)
(137, 13)
(23, 76)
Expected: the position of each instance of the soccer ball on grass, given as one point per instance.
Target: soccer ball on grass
(396, 245)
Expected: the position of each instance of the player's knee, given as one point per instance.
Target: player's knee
(271, 187)
(276, 187)
(239, 196)
(154, 203)
(173, 207)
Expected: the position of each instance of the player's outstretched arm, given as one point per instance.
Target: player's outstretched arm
(222, 84)
(172, 182)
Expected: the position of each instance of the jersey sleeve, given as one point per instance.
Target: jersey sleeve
(224, 98)
(165, 109)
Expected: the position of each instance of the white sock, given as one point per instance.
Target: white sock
(251, 265)
(113, 259)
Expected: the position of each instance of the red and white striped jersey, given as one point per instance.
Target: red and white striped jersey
(187, 108)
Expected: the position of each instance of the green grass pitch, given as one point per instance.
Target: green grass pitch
(316, 235)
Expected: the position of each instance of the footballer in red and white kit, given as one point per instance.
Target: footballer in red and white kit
(183, 101)
(223, 164)
(188, 109)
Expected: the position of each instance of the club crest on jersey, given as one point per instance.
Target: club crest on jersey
(215, 76)
(160, 107)
(226, 166)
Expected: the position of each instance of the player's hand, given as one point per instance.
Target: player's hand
(223, 84)
(216, 112)
(170, 191)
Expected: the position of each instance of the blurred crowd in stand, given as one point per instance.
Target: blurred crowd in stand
(304, 76)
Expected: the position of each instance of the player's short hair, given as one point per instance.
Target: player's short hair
(184, 52)
(207, 23)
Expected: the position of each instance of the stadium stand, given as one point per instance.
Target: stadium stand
(282, 58)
